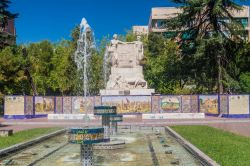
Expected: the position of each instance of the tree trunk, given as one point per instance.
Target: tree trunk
(220, 86)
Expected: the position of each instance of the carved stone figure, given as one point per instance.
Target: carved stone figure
(139, 46)
(126, 71)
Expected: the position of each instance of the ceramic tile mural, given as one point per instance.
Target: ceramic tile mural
(194, 103)
(170, 104)
(98, 100)
(209, 104)
(14, 105)
(239, 104)
(44, 105)
(80, 105)
(59, 106)
(67, 105)
(186, 103)
(129, 104)
(223, 104)
(155, 104)
(29, 110)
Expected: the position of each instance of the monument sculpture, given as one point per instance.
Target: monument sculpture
(126, 74)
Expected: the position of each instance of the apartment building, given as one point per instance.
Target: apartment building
(159, 15)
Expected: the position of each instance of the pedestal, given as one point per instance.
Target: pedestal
(108, 92)
(87, 157)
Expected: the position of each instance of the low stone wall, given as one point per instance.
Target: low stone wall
(19, 107)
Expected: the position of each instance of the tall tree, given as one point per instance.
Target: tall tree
(204, 19)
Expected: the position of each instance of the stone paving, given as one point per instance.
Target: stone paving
(238, 126)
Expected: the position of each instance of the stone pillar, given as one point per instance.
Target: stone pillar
(106, 126)
(86, 137)
(87, 157)
(114, 128)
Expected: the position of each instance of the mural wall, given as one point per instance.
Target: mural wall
(81, 106)
(186, 104)
(98, 100)
(170, 104)
(44, 105)
(155, 104)
(209, 104)
(59, 105)
(223, 104)
(29, 109)
(239, 104)
(14, 105)
(194, 103)
(67, 102)
(129, 104)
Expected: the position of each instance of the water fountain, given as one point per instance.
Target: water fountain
(105, 112)
(85, 45)
(86, 137)
(114, 119)
(105, 66)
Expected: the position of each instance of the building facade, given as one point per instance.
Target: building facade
(9, 32)
(158, 17)
(140, 30)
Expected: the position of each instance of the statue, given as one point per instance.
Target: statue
(112, 49)
(139, 46)
(126, 73)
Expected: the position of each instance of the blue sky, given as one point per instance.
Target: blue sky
(54, 19)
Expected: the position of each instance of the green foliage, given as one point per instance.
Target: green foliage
(224, 147)
(12, 78)
(40, 56)
(130, 37)
(162, 67)
(23, 136)
(213, 54)
(205, 18)
(64, 72)
(245, 82)
(96, 74)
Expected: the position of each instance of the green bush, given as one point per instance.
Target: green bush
(245, 82)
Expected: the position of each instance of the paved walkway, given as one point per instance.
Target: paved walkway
(238, 126)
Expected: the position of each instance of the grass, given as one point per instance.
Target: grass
(225, 148)
(23, 136)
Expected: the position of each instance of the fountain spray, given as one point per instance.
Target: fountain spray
(85, 45)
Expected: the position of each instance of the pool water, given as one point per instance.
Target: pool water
(144, 147)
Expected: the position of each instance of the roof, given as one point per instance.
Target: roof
(164, 12)
(170, 12)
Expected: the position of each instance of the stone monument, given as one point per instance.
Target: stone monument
(126, 76)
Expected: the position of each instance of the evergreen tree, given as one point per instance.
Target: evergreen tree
(203, 20)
